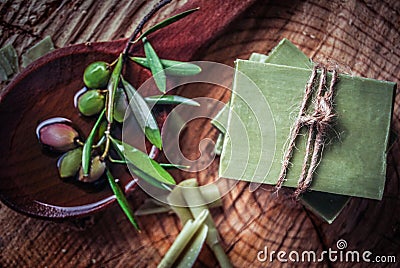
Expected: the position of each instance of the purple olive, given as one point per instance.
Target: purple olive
(57, 134)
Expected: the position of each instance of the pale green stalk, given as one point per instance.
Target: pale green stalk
(183, 239)
(196, 203)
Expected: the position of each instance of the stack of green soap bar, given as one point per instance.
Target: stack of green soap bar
(354, 161)
(326, 205)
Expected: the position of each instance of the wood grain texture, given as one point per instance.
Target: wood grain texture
(363, 37)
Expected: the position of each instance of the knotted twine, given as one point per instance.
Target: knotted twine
(318, 123)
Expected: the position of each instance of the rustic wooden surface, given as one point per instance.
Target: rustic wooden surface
(362, 36)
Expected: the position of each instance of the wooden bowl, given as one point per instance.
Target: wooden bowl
(29, 181)
(29, 178)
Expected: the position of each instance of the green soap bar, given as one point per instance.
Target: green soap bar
(41, 48)
(5, 63)
(326, 205)
(3, 74)
(8, 62)
(285, 53)
(353, 162)
(12, 57)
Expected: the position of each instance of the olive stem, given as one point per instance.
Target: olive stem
(116, 161)
(108, 142)
(79, 142)
(113, 63)
(118, 69)
(141, 24)
(99, 143)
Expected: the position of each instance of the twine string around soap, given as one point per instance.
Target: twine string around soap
(318, 125)
(295, 130)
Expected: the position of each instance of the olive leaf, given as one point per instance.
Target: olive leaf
(152, 206)
(148, 178)
(166, 22)
(166, 166)
(120, 105)
(171, 67)
(122, 201)
(102, 129)
(170, 99)
(143, 115)
(87, 147)
(155, 65)
(142, 165)
(112, 88)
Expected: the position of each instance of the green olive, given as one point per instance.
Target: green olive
(69, 163)
(97, 169)
(97, 74)
(91, 102)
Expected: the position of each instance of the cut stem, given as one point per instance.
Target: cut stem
(181, 241)
(196, 203)
(177, 202)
